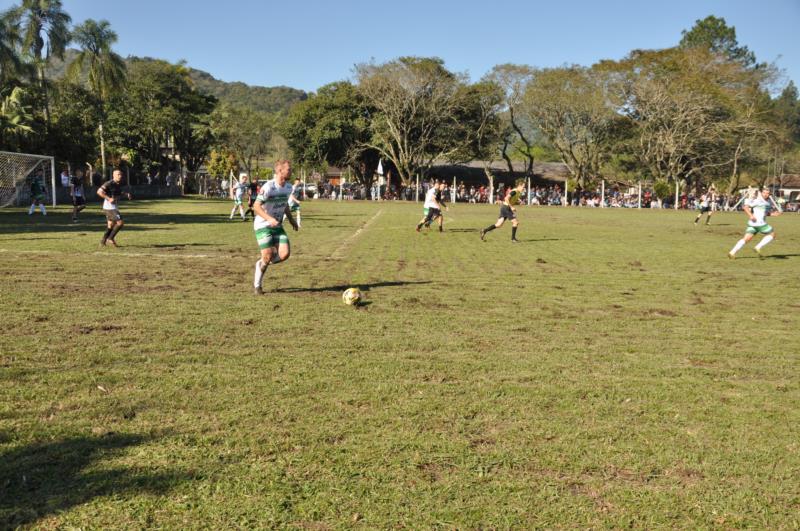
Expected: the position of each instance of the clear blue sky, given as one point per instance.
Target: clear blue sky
(307, 44)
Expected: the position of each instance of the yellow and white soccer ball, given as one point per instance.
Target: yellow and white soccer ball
(351, 296)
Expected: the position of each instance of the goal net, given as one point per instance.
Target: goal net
(17, 170)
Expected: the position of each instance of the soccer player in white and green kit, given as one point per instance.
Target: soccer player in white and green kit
(757, 209)
(238, 190)
(270, 207)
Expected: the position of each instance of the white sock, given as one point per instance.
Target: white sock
(298, 218)
(259, 275)
(41, 207)
(768, 238)
(241, 211)
(31, 210)
(738, 246)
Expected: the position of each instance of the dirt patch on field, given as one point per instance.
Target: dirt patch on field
(87, 329)
(658, 312)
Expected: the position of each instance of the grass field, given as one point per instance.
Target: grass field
(613, 369)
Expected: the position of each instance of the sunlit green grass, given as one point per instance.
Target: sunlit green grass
(612, 369)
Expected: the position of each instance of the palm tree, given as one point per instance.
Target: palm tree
(105, 69)
(15, 117)
(38, 19)
(10, 62)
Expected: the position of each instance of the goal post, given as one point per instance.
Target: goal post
(15, 171)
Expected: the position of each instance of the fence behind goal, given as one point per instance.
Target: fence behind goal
(16, 172)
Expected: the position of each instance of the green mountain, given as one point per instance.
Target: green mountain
(264, 99)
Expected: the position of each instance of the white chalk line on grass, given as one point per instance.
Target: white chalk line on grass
(112, 253)
(335, 255)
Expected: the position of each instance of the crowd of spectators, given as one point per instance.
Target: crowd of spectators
(549, 195)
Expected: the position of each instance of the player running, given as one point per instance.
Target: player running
(38, 193)
(270, 207)
(111, 191)
(757, 209)
(238, 190)
(252, 193)
(508, 211)
(77, 194)
(294, 200)
(705, 207)
(432, 208)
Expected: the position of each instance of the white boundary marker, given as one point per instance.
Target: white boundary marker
(335, 254)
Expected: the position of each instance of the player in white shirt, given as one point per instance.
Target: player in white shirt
(706, 201)
(757, 209)
(294, 203)
(238, 189)
(432, 208)
(270, 207)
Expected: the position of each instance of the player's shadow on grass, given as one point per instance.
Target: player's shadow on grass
(174, 245)
(342, 287)
(781, 256)
(47, 478)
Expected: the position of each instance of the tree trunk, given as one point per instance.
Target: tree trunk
(43, 86)
(102, 148)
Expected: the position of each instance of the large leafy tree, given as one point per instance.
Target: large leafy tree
(244, 133)
(696, 113)
(104, 70)
(517, 136)
(75, 111)
(151, 119)
(573, 107)
(332, 127)
(15, 116)
(422, 113)
(45, 33)
(11, 65)
(713, 34)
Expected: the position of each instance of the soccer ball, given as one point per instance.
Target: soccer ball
(351, 296)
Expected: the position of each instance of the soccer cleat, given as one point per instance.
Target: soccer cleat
(417, 228)
(731, 256)
(112, 242)
(514, 240)
(483, 233)
(758, 252)
(258, 291)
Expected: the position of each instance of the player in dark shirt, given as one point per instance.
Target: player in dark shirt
(252, 192)
(76, 191)
(508, 211)
(111, 191)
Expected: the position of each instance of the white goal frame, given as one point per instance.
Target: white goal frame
(37, 160)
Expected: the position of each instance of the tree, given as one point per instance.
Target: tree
(572, 106)
(713, 34)
(159, 117)
(11, 66)
(105, 69)
(74, 114)
(694, 110)
(422, 113)
(15, 115)
(40, 20)
(332, 127)
(244, 133)
(517, 135)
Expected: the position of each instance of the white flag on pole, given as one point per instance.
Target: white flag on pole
(380, 167)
